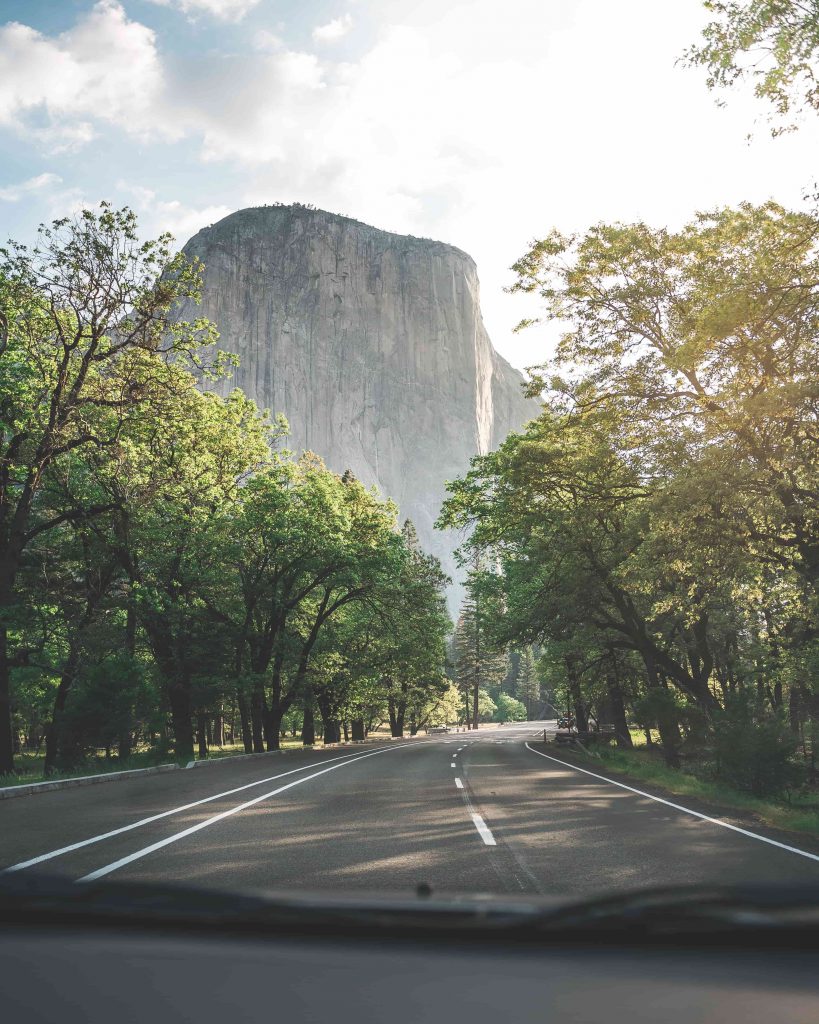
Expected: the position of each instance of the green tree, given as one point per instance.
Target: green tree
(81, 315)
(528, 684)
(480, 663)
(704, 340)
(772, 43)
(174, 480)
(509, 709)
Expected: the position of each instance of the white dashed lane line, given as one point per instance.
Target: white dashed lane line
(483, 830)
(458, 783)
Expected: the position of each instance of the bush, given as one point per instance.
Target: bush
(509, 709)
(754, 750)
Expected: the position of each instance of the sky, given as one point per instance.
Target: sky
(481, 123)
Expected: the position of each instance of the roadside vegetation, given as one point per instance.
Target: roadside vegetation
(654, 531)
(798, 811)
(653, 535)
(172, 580)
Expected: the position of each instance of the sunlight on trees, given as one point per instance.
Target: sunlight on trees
(165, 566)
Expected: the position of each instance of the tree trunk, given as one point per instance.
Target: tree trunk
(397, 712)
(53, 732)
(576, 695)
(124, 746)
(357, 729)
(6, 742)
(666, 723)
(308, 729)
(182, 721)
(273, 728)
(257, 720)
(332, 733)
(617, 709)
(244, 719)
(202, 734)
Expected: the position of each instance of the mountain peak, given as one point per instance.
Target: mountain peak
(371, 344)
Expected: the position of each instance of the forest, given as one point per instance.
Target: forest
(171, 578)
(655, 531)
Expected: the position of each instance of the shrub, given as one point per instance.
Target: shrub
(754, 749)
(509, 709)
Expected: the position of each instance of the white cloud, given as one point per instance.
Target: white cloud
(333, 30)
(267, 42)
(13, 193)
(227, 10)
(105, 68)
(158, 215)
(444, 126)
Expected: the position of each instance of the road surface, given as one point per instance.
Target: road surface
(494, 811)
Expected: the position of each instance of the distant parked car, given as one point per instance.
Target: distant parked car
(564, 722)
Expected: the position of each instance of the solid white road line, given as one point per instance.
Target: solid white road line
(458, 783)
(483, 830)
(679, 807)
(101, 872)
(166, 814)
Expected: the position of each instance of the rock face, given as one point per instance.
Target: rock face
(371, 344)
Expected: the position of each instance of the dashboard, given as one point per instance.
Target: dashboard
(85, 975)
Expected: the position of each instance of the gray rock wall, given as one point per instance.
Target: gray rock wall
(371, 344)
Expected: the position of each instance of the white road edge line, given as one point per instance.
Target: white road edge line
(679, 807)
(483, 830)
(138, 854)
(458, 783)
(166, 814)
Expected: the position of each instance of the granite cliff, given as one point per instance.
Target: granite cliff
(371, 344)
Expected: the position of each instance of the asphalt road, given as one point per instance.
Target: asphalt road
(468, 812)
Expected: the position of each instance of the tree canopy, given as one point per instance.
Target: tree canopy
(654, 530)
(165, 564)
(772, 43)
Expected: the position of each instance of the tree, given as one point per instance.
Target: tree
(174, 481)
(82, 314)
(772, 43)
(528, 683)
(441, 708)
(479, 662)
(705, 340)
(509, 709)
(662, 507)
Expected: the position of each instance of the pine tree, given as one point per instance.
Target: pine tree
(528, 688)
(479, 665)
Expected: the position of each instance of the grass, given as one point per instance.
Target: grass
(800, 814)
(29, 766)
